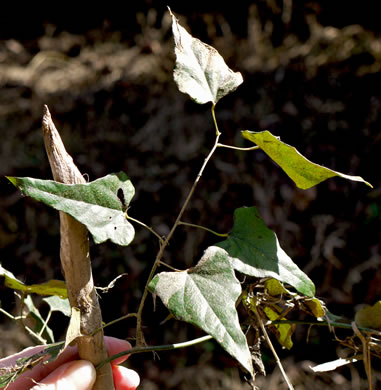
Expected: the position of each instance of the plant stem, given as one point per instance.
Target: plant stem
(139, 334)
(323, 323)
(204, 228)
(129, 315)
(237, 147)
(289, 384)
(156, 348)
(147, 227)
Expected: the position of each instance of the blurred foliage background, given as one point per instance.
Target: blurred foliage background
(311, 76)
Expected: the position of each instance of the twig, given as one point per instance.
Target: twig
(365, 353)
(259, 319)
(147, 227)
(237, 147)
(139, 334)
(204, 228)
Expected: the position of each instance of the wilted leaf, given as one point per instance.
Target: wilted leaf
(100, 205)
(283, 332)
(275, 287)
(74, 329)
(58, 304)
(302, 171)
(315, 306)
(329, 366)
(200, 70)
(369, 316)
(53, 287)
(205, 296)
(254, 250)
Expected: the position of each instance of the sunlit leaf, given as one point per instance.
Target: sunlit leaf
(369, 316)
(302, 171)
(274, 287)
(200, 70)
(58, 304)
(205, 296)
(283, 332)
(100, 205)
(315, 307)
(52, 287)
(329, 366)
(254, 250)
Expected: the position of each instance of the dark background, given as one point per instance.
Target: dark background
(311, 76)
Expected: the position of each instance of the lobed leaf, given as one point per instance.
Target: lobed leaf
(302, 171)
(205, 296)
(200, 70)
(99, 205)
(254, 250)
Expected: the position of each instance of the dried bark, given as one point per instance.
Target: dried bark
(75, 259)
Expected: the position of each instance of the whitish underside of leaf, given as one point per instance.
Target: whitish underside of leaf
(200, 71)
(302, 171)
(99, 205)
(205, 296)
(254, 250)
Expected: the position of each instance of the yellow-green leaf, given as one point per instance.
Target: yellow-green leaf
(283, 332)
(52, 287)
(302, 171)
(369, 316)
(274, 287)
(315, 306)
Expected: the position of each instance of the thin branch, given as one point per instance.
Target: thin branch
(155, 348)
(147, 227)
(365, 353)
(129, 315)
(324, 323)
(272, 349)
(237, 147)
(204, 228)
(139, 334)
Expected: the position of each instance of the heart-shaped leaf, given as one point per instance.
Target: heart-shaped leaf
(100, 205)
(302, 171)
(205, 296)
(254, 250)
(200, 70)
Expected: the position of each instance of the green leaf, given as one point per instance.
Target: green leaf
(53, 287)
(10, 373)
(205, 296)
(254, 250)
(200, 70)
(99, 205)
(302, 171)
(57, 304)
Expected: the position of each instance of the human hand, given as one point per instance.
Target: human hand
(69, 373)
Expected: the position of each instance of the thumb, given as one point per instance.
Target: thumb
(74, 375)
